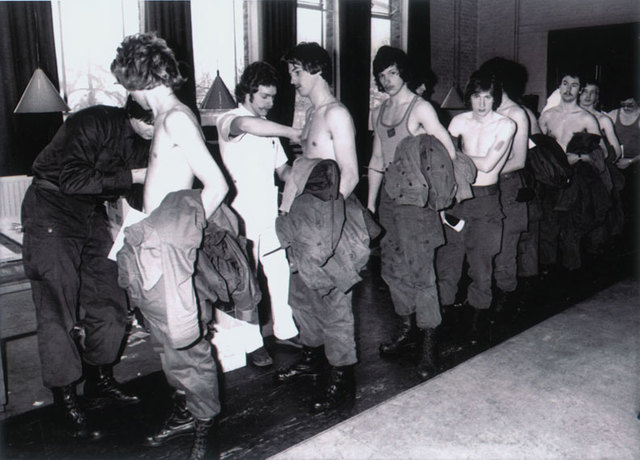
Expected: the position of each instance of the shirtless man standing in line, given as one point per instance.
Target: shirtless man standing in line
(147, 68)
(589, 100)
(511, 181)
(567, 118)
(561, 122)
(486, 138)
(415, 300)
(328, 133)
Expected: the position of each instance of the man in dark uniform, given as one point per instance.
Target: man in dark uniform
(95, 156)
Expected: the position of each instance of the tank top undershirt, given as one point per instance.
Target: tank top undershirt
(629, 136)
(391, 135)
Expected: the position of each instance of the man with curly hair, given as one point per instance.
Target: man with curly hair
(148, 69)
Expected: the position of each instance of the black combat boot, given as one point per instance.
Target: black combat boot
(480, 327)
(340, 390)
(67, 400)
(505, 306)
(405, 340)
(200, 439)
(179, 423)
(309, 365)
(428, 365)
(100, 388)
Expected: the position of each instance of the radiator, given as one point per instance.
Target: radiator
(12, 189)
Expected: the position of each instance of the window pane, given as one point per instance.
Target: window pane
(218, 43)
(380, 7)
(309, 25)
(380, 35)
(87, 49)
(313, 3)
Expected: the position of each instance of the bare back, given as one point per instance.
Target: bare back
(178, 154)
(518, 152)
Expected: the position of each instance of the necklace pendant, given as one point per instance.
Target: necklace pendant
(391, 132)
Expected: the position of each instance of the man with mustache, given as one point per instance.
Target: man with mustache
(562, 122)
(567, 118)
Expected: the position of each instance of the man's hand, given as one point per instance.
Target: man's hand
(624, 163)
(138, 175)
(294, 137)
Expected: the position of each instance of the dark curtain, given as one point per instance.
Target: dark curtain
(278, 37)
(355, 56)
(419, 36)
(26, 42)
(172, 21)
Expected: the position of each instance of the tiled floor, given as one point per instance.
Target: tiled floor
(567, 388)
(259, 419)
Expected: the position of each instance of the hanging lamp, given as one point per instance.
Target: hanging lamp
(453, 99)
(40, 96)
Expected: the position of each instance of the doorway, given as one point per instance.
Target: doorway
(608, 54)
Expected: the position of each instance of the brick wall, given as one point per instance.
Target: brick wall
(489, 29)
(443, 36)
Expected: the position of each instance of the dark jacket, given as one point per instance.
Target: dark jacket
(158, 261)
(87, 162)
(421, 173)
(326, 237)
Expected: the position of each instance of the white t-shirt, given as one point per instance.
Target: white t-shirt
(251, 162)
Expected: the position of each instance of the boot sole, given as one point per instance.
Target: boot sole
(168, 440)
(100, 402)
(343, 405)
(313, 377)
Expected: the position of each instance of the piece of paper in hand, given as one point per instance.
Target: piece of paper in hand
(133, 217)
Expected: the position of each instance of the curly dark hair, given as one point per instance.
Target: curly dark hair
(481, 81)
(313, 58)
(144, 61)
(388, 56)
(256, 74)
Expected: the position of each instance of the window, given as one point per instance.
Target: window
(218, 43)
(85, 48)
(381, 22)
(311, 21)
(312, 25)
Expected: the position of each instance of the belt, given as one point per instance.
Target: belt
(484, 190)
(511, 174)
(45, 184)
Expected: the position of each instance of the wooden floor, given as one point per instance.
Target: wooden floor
(260, 419)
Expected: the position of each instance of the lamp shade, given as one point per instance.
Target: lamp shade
(452, 100)
(218, 97)
(40, 96)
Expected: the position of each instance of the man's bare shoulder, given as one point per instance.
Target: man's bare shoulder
(337, 113)
(179, 114)
(423, 104)
(515, 112)
(459, 122)
(464, 117)
(551, 112)
(178, 121)
(423, 109)
(504, 119)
